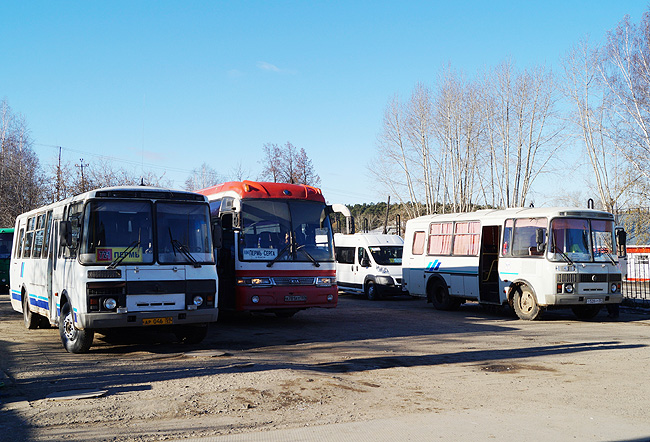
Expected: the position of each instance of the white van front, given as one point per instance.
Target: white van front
(369, 263)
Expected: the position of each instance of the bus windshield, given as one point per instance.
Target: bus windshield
(387, 255)
(582, 240)
(116, 228)
(274, 230)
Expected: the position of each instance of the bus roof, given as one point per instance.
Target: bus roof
(126, 192)
(498, 215)
(255, 189)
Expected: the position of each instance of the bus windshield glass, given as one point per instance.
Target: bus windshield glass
(277, 230)
(124, 231)
(387, 255)
(114, 228)
(582, 240)
(183, 233)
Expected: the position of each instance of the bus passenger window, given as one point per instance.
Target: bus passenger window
(418, 243)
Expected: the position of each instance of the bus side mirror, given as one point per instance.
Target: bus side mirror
(540, 239)
(65, 233)
(621, 242)
(365, 262)
(217, 234)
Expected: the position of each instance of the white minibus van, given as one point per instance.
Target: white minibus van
(369, 263)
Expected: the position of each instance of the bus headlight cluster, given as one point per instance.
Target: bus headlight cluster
(324, 281)
(255, 299)
(110, 303)
(198, 300)
(568, 288)
(330, 298)
(616, 287)
(255, 282)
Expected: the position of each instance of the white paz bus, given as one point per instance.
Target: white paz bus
(529, 258)
(116, 257)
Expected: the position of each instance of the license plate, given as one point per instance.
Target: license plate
(594, 301)
(294, 298)
(157, 321)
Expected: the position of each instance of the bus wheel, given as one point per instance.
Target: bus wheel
(371, 291)
(586, 312)
(525, 304)
(191, 334)
(31, 319)
(439, 294)
(73, 339)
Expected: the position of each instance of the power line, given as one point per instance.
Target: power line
(112, 158)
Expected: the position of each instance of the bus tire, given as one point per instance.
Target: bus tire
(525, 304)
(73, 339)
(31, 319)
(440, 298)
(191, 334)
(586, 312)
(370, 289)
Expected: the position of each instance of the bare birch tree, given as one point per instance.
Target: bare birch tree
(420, 130)
(202, 177)
(625, 73)
(21, 177)
(393, 165)
(590, 115)
(288, 164)
(522, 129)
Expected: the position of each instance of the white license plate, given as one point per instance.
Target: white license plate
(295, 298)
(594, 301)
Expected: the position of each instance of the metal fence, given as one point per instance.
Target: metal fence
(636, 289)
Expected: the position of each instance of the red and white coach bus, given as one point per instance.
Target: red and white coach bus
(277, 251)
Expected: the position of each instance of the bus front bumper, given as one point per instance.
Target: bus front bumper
(139, 319)
(580, 299)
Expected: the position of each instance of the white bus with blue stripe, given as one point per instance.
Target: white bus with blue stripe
(116, 257)
(532, 259)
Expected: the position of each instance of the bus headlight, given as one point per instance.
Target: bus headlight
(198, 300)
(255, 299)
(568, 288)
(324, 281)
(110, 303)
(255, 282)
(614, 287)
(330, 298)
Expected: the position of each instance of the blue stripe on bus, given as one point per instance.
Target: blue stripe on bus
(15, 294)
(39, 301)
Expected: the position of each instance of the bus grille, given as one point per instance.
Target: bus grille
(563, 278)
(298, 280)
(595, 277)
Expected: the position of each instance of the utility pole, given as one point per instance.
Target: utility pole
(81, 165)
(58, 178)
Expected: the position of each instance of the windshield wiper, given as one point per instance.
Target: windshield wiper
(611, 258)
(124, 254)
(177, 245)
(279, 255)
(562, 254)
(311, 258)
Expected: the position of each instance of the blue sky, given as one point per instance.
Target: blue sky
(169, 85)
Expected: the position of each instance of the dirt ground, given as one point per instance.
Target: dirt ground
(361, 361)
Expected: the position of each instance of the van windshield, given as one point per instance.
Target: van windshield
(387, 255)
